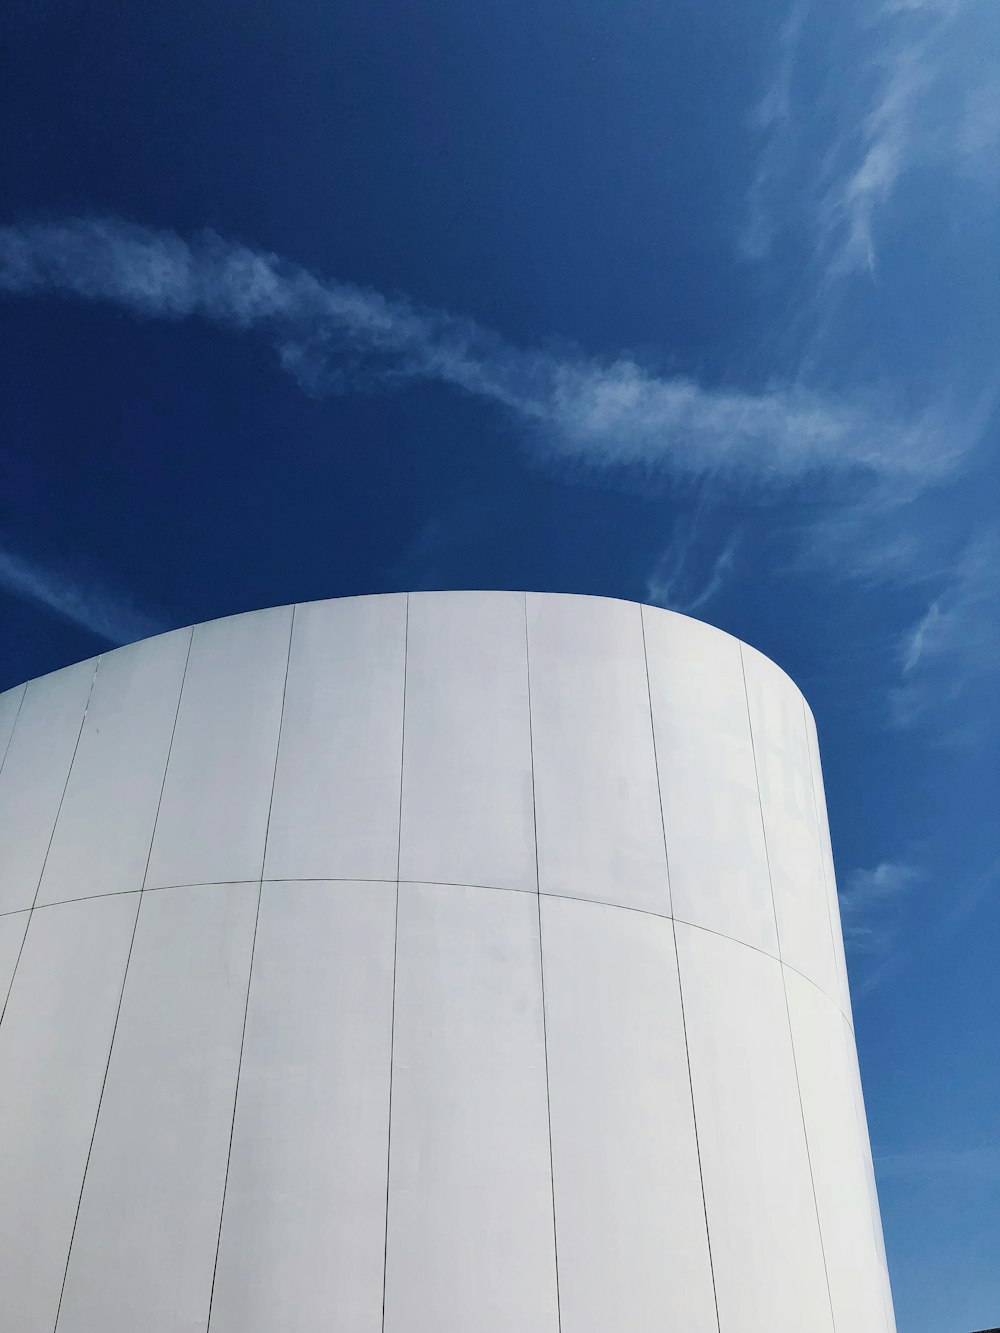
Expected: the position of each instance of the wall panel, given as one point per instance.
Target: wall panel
(105, 826)
(470, 1242)
(835, 1153)
(12, 928)
(213, 815)
(766, 1246)
(794, 851)
(54, 1046)
(596, 797)
(708, 783)
(34, 775)
(144, 1248)
(10, 704)
(630, 1217)
(869, 1170)
(335, 813)
(843, 993)
(466, 803)
(303, 1236)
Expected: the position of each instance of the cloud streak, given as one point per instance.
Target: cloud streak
(331, 336)
(956, 642)
(871, 901)
(876, 154)
(980, 1163)
(91, 607)
(670, 583)
(773, 118)
(834, 164)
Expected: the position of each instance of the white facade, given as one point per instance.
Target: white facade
(442, 963)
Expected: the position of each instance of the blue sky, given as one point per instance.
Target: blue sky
(689, 303)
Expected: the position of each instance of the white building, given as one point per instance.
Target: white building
(451, 963)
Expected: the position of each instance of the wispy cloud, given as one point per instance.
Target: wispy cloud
(981, 1163)
(897, 92)
(956, 641)
(879, 116)
(773, 120)
(86, 604)
(331, 335)
(871, 902)
(868, 162)
(674, 584)
(936, 936)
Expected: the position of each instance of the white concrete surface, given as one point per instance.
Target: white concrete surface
(708, 784)
(55, 1040)
(212, 819)
(791, 831)
(466, 800)
(10, 706)
(767, 1249)
(625, 1155)
(12, 928)
(144, 1249)
(597, 805)
(335, 812)
(34, 774)
(469, 1238)
(428, 963)
(118, 767)
(836, 1153)
(303, 1238)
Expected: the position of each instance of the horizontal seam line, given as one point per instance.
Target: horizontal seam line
(447, 884)
(281, 879)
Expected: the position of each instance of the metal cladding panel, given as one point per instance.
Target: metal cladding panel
(833, 902)
(630, 1215)
(213, 814)
(34, 774)
(600, 833)
(766, 1248)
(708, 783)
(54, 1047)
(335, 813)
(144, 1249)
(10, 704)
(12, 928)
(869, 1170)
(470, 1233)
(303, 1233)
(466, 814)
(119, 767)
(835, 1153)
(795, 855)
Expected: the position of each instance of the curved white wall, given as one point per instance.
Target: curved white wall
(427, 964)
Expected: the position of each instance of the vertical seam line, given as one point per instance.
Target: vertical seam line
(3, 763)
(541, 973)
(121, 993)
(13, 726)
(253, 949)
(760, 809)
(52, 834)
(788, 1011)
(831, 889)
(395, 952)
(680, 985)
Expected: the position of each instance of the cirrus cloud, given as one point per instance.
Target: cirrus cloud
(330, 336)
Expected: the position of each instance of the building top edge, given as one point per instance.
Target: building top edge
(429, 592)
